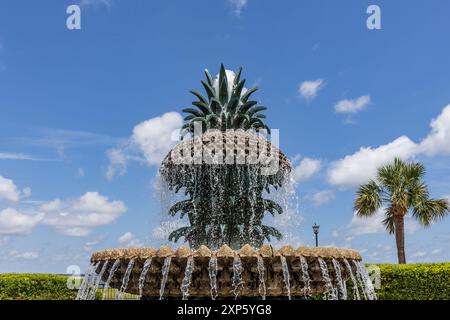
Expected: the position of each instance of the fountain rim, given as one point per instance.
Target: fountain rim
(266, 251)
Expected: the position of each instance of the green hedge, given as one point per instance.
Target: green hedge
(35, 287)
(422, 281)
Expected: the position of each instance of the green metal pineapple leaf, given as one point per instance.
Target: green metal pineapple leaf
(224, 109)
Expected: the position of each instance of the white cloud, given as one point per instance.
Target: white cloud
(374, 224)
(322, 197)
(370, 225)
(73, 231)
(361, 166)
(26, 192)
(357, 168)
(306, 169)
(13, 222)
(385, 248)
(352, 106)
(89, 245)
(436, 251)
(27, 255)
(8, 190)
(155, 136)
(128, 239)
(150, 142)
(419, 254)
(76, 217)
(17, 156)
(238, 6)
(118, 161)
(309, 89)
(61, 139)
(438, 140)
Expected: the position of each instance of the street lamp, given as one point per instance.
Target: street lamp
(316, 233)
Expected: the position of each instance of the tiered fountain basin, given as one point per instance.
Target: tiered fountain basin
(225, 273)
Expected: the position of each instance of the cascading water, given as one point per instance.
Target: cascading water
(353, 279)
(143, 275)
(165, 274)
(212, 271)
(126, 279)
(341, 284)
(187, 278)
(261, 274)
(91, 295)
(86, 281)
(305, 277)
(286, 276)
(360, 280)
(365, 279)
(113, 270)
(327, 280)
(237, 282)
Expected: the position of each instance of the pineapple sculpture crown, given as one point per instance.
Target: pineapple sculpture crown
(225, 202)
(228, 105)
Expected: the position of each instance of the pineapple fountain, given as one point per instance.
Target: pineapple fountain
(226, 168)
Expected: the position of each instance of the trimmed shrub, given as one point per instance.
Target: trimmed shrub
(422, 281)
(35, 287)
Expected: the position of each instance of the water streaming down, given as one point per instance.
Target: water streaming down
(286, 276)
(143, 275)
(113, 270)
(341, 283)
(85, 284)
(370, 290)
(360, 280)
(165, 274)
(237, 282)
(90, 282)
(353, 279)
(305, 277)
(126, 279)
(326, 278)
(92, 293)
(187, 278)
(212, 270)
(261, 274)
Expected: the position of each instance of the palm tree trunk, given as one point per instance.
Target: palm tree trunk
(400, 238)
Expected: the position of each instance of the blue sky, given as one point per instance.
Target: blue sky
(83, 128)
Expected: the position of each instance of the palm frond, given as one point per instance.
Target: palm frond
(388, 221)
(368, 199)
(431, 210)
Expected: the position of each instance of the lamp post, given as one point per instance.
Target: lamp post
(316, 233)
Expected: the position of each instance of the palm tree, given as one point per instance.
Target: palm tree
(400, 188)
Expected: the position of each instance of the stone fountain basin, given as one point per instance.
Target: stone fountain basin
(200, 279)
